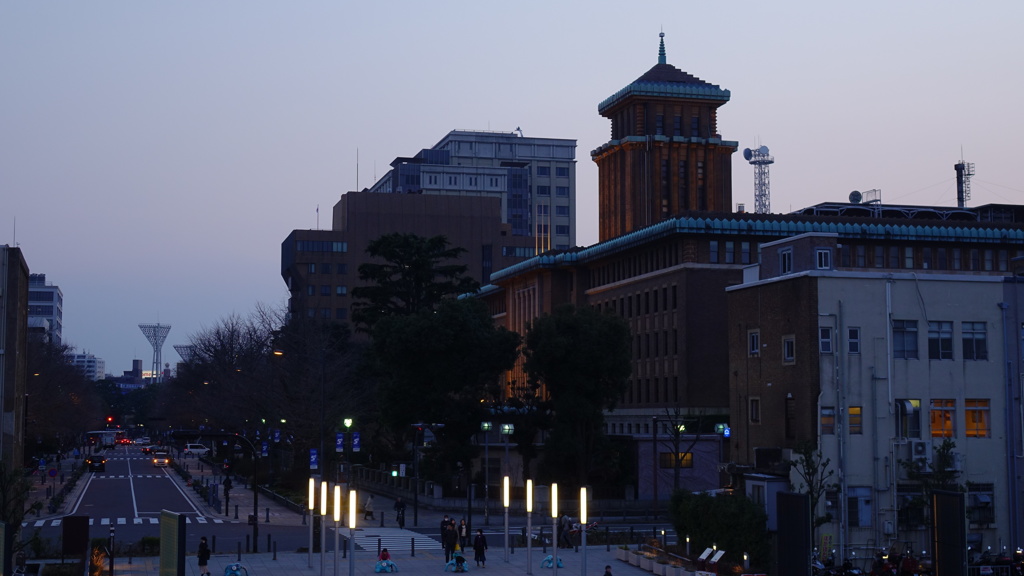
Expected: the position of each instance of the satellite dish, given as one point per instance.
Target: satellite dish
(855, 197)
(747, 154)
(763, 150)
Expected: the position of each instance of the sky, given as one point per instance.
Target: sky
(154, 155)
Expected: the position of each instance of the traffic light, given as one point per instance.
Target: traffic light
(110, 419)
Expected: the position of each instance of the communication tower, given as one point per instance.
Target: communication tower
(964, 171)
(156, 334)
(760, 159)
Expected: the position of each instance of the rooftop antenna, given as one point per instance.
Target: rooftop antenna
(760, 159)
(964, 172)
(156, 334)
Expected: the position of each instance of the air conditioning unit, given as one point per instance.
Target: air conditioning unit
(921, 450)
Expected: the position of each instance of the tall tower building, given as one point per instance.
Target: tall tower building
(665, 155)
(45, 308)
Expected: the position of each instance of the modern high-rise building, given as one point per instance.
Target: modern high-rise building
(46, 308)
(535, 178)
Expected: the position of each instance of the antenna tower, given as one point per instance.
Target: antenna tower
(964, 171)
(760, 159)
(156, 334)
(186, 351)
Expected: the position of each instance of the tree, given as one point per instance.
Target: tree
(814, 472)
(61, 402)
(582, 358)
(733, 522)
(938, 474)
(416, 275)
(14, 492)
(438, 366)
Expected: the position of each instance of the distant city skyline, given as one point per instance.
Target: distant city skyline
(154, 156)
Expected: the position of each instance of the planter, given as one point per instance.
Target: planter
(623, 554)
(634, 558)
(647, 563)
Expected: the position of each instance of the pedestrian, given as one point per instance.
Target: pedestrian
(480, 548)
(400, 512)
(463, 534)
(444, 526)
(607, 570)
(203, 555)
(449, 539)
(368, 508)
(564, 527)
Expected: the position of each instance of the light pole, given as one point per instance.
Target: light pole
(337, 519)
(348, 436)
(529, 526)
(351, 532)
(583, 528)
(312, 506)
(505, 502)
(485, 427)
(507, 430)
(554, 527)
(323, 524)
(255, 492)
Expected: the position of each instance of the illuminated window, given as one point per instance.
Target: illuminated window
(977, 418)
(669, 459)
(855, 421)
(828, 420)
(943, 414)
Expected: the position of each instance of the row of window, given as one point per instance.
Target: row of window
(973, 338)
(652, 301)
(325, 290)
(320, 246)
(941, 418)
(911, 514)
(327, 268)
(544, 190)
(560, 171)
(545, 229)
(542, 209)
(788, 346)
(325, 313)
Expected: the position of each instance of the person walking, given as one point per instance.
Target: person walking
(203, 555)
(480, 548)
(463, 535)
(450, 539)
(368, 508)
(400, 512)
(607, 570)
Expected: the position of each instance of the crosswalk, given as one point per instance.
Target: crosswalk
(103, 476)
(394, 539)
(138, 520)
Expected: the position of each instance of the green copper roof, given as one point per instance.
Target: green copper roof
(667, 81)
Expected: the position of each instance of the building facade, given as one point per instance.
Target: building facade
(46, 308)
(92, 367)
(534, 178)
(14, 289)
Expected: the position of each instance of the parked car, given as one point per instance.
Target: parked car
(161, 458)
(96, 463)
(197, 449)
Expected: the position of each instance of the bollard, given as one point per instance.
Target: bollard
(267, 521)
(213, 544)
(239, 558)
(247, 536)
(412, 546)
(378, 547)
(607, 540)
(236, 511)
(268, 541)
(543, 542)
(275, 550)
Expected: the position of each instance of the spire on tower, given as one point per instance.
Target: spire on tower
(661, 50)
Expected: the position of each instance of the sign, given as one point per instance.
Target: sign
(401, 470)
(265, 449)
(277, 436)
(355, 441)
(52, 472)
(314, 460)
(339, 442)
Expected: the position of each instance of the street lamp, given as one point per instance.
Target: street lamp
(312, 506)
(529, 526)
(485, 427)
(351, 532)
(554, 527)
(507, 430)
(323, 527)
(255, 492)
(505, 500)
(344, 449)
(337, 519)
(583, 527)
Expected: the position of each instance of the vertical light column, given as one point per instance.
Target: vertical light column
(554, 527)
(337, 520)
(485, 427)
(529, 526)
(351, 532)
(505, 500)
(583, 528)
(323, 524)
(312, 506)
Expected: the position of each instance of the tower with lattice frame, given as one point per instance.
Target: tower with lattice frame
(156, 334)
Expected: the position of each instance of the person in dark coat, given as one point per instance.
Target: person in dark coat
(480, 548)
(449, 538)
(203, 555)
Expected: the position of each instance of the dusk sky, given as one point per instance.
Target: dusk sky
(153, 155)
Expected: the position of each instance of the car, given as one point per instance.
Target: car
(143, 440)
(96, 463)
(150, 449)
(197, 449)
(161, 458)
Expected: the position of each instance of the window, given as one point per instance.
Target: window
(785, 261)
(825, 340)
(311, 268)
(561, 210)
(979, 503)
(908, 418)
(824, 258)
(562, 172)
(976, 414)
(753, 342)
(713, 251)
(913, 513)
(904, 338)
(325, 313)
(342, 268)
(975, 341)
(341, 290)
(940, 340)
(543, 171)
(744, 252)
(562, 191)
(562, 229)
(754, 410)
(341, 314)
(667, 460)
(858, 506)
(855, 420)
(544, 190)
(325, 290)
(853, 340)
(730, 252)
(828, 420)
(543, 209)
(942, 418)
(908, 257)
(311, 290)
(788, 349)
